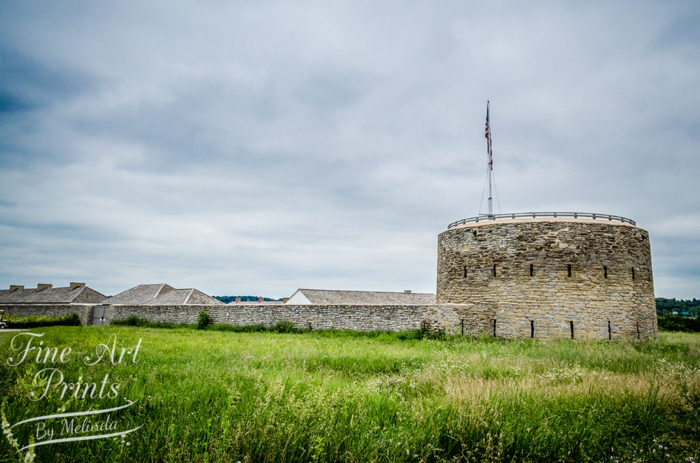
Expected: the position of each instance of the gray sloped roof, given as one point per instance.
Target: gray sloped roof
(188, 296)
(199, 298)
(139, 294)
(8, 297)
(64, 295)
(161, 294)
(333, 296)
(88, 296)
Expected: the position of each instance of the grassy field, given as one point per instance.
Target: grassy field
(324, 396)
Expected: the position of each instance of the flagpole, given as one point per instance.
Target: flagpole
(489, 151)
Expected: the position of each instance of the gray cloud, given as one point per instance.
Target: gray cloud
(258, 148)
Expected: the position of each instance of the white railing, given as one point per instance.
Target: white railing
(534, 215)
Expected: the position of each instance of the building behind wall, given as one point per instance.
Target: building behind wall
(45, 293)
(333, 296)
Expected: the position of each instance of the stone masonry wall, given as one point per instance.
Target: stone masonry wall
(83, 311)
(467, 319)
(512, 279)
(609, 292)
(452, 318)
(446, 317)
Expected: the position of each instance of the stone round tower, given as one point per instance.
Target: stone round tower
(550, 275)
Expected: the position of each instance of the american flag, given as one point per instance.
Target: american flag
(489, 151)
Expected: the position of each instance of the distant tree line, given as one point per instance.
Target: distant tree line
(686, 308)
(227, 299)
(679, 323)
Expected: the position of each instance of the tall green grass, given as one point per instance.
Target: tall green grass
(206, 395)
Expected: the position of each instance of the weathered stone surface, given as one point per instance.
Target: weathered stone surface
(609, 293)
(354, 317)
(83, 311)
(446, 317)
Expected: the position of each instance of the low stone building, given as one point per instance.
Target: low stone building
(139, 294)
(332, 296)
(45, 293)
(161, 294)
(187, 296)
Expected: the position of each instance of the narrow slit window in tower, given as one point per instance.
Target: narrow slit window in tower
(605, 271)
(532, 270)
(532, 328)
(639, 334)
(494, 269)
(609, 330)
(465, 271)
(633, 273)
(571, 327)
(493, 322)
(568, 269)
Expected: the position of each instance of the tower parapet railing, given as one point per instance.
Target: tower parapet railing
(534, 215)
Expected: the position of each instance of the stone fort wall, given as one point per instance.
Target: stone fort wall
(451, 318)
(351, 317)
(539, 278)
(547, 278)
(466, 319)
(83, 311)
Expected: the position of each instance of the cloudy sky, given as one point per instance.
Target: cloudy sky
(258, 147)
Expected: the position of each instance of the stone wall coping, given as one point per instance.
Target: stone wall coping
(513, 216)
(49, 304)
(540, 219)
(268, 306)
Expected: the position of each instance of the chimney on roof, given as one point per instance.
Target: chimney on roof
(407, 291)
(41, 286)
(260, 299)
(75, 284)
(16, 287)
(284, 300)
(238, 299)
